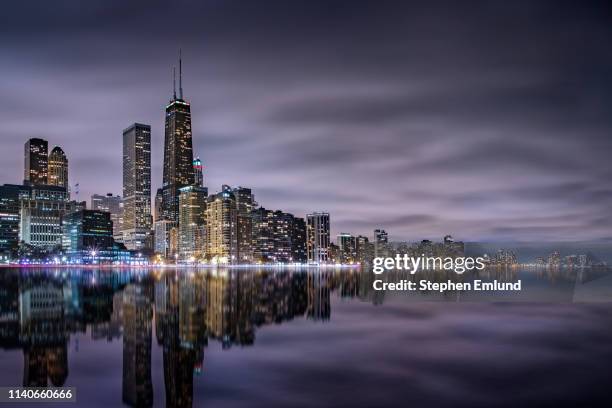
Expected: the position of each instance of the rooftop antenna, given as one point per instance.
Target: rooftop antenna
(174, 81)
(181, 73)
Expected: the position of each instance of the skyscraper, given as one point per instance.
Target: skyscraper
(137, 186)
(113, 205)
(245, 202)
(58, 168)
(221, 227)
(198, 170)
(192, 203)
(347, 245)
(318, 233)
(35, 162)
(178, 169)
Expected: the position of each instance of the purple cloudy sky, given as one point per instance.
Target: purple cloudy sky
(490, 121)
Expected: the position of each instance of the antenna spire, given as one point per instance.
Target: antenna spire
(174, 81)
(181, 73)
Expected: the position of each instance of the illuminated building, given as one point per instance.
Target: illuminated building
(41, 212)
(158, 205)
(347, 245)
(381, 243)
(178, 169)
(35, 162)
(198, 172)
(298, 240)
(9, 217)
(137, 219)
(163, 229)
(192, 204)
(58, 168)
(245, 202)
(87, 230)
(318, 237)
(113, 205)
(277, 236)
(221, 227)
(364, 250)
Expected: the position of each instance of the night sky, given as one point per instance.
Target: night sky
(489, 121)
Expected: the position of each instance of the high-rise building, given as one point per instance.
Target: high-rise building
(87, 230)
(178, 169)
(347, 246)
(381, 243)
(364, 254)
(158, 205)
(58, 168)
(41, 211)
(318, 237)
(245, 203)
(9, 217)
(137, 219)
(192, 204)
(221, 227)
(298, 240)
(163, 229)
(35, 162)
(113, 205)
(198, 172)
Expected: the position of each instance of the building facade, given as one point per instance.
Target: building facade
(178, 171)
(41, 211)
(87, 230)
(163, 230)
(318, 237)
(221, 227)
(137, 220)
(192, 205)
(36, 162)
(58, 168)
(113, 205)
(245, 203)
(198, 172)
(347, 247)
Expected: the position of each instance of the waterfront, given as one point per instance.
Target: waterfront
(268, 337)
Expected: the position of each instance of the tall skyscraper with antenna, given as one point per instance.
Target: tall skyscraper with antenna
(178, 150)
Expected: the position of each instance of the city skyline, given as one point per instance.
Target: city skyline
(444, 130)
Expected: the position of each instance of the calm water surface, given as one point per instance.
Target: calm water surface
(245, 338)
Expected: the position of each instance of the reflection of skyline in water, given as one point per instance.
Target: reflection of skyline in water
(180, 312)
(41, 309)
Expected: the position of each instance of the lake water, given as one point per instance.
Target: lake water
(303, 338)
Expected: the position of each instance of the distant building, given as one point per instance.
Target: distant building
(245, 203)
(381, 243)
(87, 230)
(36, 162)
(298, 240)
(58, 168)
(113, 205)
(347, 245)
(137, 220)
(163, 229)
(9, 217)
(158, 205)
(198, 172)
(278, 237)
(41, 211)
(318, 237)
(178, 169)
(221, 227)
(364, 249)
(192, 204)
